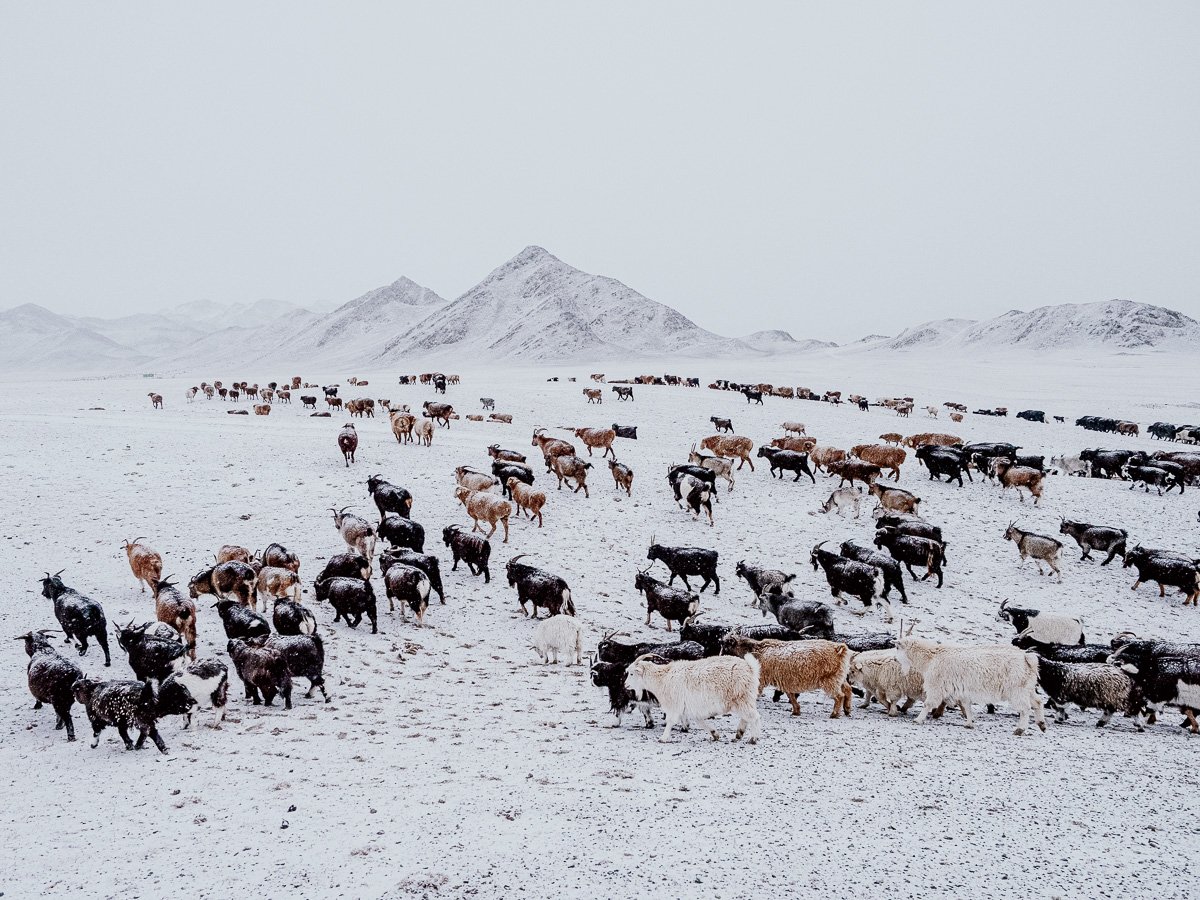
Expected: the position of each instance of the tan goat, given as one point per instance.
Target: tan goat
(821, 457)
(797, 667)
(889, 458)
(895, 499)
(622, 476)
(402, 426)
(276, 582)
(488, 508)
(597, 438)
(262, 409)
(1020, 478)
(527, 499)
(145, 562)
(594, 395)
(465, 476)
(730, 446)
(232, 553)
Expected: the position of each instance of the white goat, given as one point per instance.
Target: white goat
(699, 690)
(559, 634)
(878, 673)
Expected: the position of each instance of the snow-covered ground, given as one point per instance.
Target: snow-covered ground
(448, 764)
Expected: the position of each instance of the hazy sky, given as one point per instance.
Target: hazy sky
(829, 168)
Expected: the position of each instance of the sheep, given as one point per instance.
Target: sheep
(967, 675)
(730, 446)
(673, 604)
(176, 610)
(240, 621)
(719, 466)
(262, 409)
(760, 579)
(571, 467)
(427, 563)
(356, 531)
(1039, 546)
(351, 599)
(79, 617)
(472, 549)
(51, 679)
(895, 499)
(822, 457)
(411, 587)
(291, 618)
(261, 669)
(1020, 478)
(559, 634)
(794, 427)
(145, 562)
(539, 588)
(1090, 686)
(842, 498)
(891, 437)
(890, 458)
(787, 461)
(486, 508)
(852, 470)
(502, 418)
(622, 477)
(689, 690)
(275, 582)
(124, 704)
(878, 674)
(204, 683)
(913, 441)
(912, 550)
(797, 667)
(1036, 627)
(347, 441)
(795, 444)
(529, 500)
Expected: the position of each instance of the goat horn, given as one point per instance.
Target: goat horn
(911, 626)
(1004, 603)
(518, 556)
(59, 572)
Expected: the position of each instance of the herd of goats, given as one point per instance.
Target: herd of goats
(712, 669)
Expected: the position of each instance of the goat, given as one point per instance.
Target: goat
(842, 498)
(559, 634)
(1036, 627)
(262, 670)
(151, 658)
(878, 674)
(1095, 537)
(79, 617)
(673, 604)
(895, 499)
(124, 704)
(51, 678)
(912, 550)
(850, 577)
(571, 467)
(1164, 674)
(807, 618)
(787, 461)
(760, 579)
(275, 582)
(947, 461)
(1020, 478)
(702, 689)
(628, 432)
(685, 561)
(796, 667)
(852, 470)
(1089, 686)
(472, 549)
(356, 531)
(351, 599)
(438, 412)
(551, 447)
(240, 621)
(497, 453)
(144, 561)
(178, 611)
(719, 466)
(347, 565)
(427, 563)
(594, 395)
(1039, 546)
(1167, 570)
(389, 498)
(623, 392)
(530, 501)
(721, 425)
(966, 675)
(232, 553)
(889, 566)
(822, 457)
(539, 588)
(881, 455)
(506, 471)
(622, 480)
(290, 618)
(347, 441)
(280, 557)
(410, 586)
(484, 507)
(401, 532)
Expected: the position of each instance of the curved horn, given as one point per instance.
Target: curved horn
(518, 556)
(1004, 603)
(59, 572)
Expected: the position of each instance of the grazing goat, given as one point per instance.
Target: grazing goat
(967, 675)
(79, 617)
(842, 498)
(1038, 546)
(699, 690)
(145, 562)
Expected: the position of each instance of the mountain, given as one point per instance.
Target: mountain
(34, 339)
(536, 307)
(927, 334)
(1114, 325)
(150, 334)
(774, 341)
(209, 314)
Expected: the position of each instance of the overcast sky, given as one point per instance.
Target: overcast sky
(832, 168)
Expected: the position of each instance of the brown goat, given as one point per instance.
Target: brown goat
(597, 438)
(852, 470)
(797, 667)
(529, 500)
(1019, 477)
(622, 476)
(730, 445)
(145, 562)
(895, 499)
(177, 610)
(881, 455)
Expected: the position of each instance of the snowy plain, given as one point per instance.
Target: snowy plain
(449, 764)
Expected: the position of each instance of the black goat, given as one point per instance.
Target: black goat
(912, 550)
(893, 577)
(389, 498)
(292, 618)
(240, 621)
(1090, 686)
(1106, 463)
(304, 655)
(1032, 415)
(673, 604)
(944, 461)
(426, 562)
(410, 586)
(351, 599)
(846, 576)
(473, 549)
(151, 658)
(1075, 653)
(539, 588)
(262, 670)
(721, 425)
(685, 561)
(707, 634)
(507, 470)
(809, 618)
(52, 679)
(346, 565)
(787, 461)
(204, 682)
(753, 396)
(626, 431)
(1167, 569)
(79, 617)
(1102, 538)
(1166, 674)
(123, 704)
(402, 532)
(915, 527)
